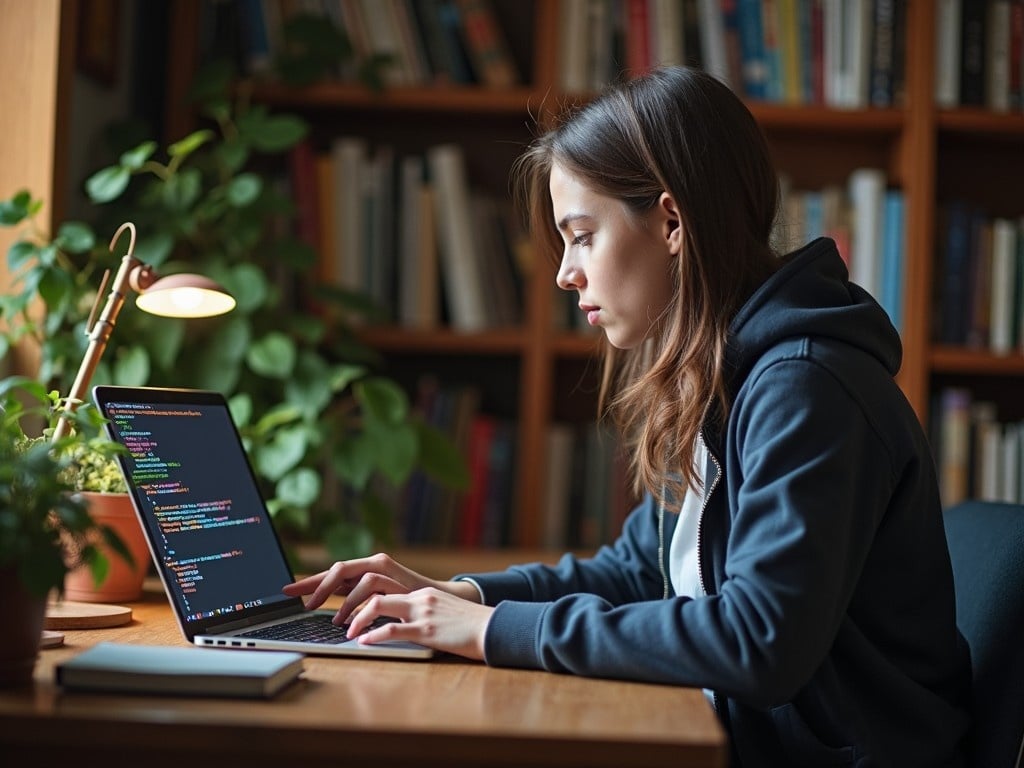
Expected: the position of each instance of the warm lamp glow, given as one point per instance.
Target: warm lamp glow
(185, 295)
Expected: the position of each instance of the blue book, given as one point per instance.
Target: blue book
(893, 257)
(755, 72)
(183, 671)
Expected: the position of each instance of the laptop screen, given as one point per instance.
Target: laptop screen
(207, 524)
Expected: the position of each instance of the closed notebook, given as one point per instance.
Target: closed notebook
(122, 668)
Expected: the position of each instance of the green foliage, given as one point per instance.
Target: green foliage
(302, 389)
(45, 528)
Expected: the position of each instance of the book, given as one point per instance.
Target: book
(947, 54)
(460, 267)
(184, 671)
(867, 195)
(486, 44)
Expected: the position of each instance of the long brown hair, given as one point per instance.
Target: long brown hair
(682, 131)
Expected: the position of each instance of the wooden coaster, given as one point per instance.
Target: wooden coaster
(51, 639)
(67, 614)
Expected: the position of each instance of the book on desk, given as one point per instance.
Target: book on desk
(124, 668)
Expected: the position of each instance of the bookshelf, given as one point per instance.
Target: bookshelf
(929, 153)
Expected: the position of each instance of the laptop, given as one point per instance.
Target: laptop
(219, 558)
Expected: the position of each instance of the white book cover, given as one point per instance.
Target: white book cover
(460, 266)
(665, 22)
(349, 158)
(835, 55)
(1003, 286)
(712, 39)
(858, 30)
(573, 44)
(867, 196)
(947, 53)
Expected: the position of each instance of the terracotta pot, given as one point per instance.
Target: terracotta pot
(123, 582)
(23, 625)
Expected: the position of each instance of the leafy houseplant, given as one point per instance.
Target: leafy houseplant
(302, 388)
(45, 528)
(97, 479)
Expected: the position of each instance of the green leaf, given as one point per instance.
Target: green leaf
(343, 375)
(300, 487)
(55, 287)
(131, 366)
(353, 460)
(134, 159)
(394, 449)
(20, 254)
(347, 541)
(276, 417)
(248, 284)
(75, 237)
(309, 388)
(272, 356)
(107, 184)
(233, 154)
(154, 249)
(439, 459)
(15, 210)
(240, 405)
(284, 452)
(244, 189)
(190, 143)
(180, 192)
(275, 133)
(383, 399)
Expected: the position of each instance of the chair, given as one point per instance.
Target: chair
(986, 544)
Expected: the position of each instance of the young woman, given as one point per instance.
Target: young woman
(789, 555)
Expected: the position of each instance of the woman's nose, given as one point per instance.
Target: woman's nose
(570, 276)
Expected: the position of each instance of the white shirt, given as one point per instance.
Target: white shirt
(682, 553)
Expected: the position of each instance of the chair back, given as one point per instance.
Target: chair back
(986, 545)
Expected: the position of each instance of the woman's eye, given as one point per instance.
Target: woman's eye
(581, 240)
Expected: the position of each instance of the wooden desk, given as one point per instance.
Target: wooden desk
(446, 712)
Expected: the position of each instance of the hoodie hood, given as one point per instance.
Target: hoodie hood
(811, 296)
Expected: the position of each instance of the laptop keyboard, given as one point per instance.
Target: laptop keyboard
(316, 628)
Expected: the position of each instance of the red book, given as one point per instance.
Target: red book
(303, 176)
(481, 435)
(638, 45)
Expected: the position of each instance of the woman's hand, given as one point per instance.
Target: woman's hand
(445, 615)
(429, 616)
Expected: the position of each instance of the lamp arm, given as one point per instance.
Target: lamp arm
(132, 274)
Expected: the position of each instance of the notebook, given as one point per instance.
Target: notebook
(217, 553)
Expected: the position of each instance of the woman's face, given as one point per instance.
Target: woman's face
(621, 266)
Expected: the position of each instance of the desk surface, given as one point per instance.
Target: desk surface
(446, 712)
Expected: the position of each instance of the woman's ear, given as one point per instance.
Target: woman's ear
(672, 222)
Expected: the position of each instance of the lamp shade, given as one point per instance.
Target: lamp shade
(185, 295)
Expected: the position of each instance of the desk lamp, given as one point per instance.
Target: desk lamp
(182, 295)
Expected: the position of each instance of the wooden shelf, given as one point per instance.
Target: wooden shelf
(960, 360)
(982, 123)
(436, 99)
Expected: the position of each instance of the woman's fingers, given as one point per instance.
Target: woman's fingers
(429, 617)
(369, 585)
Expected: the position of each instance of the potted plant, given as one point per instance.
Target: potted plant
(323, 428)
(45, 527)
(97, 480)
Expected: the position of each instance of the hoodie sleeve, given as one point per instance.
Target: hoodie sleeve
(802, 526)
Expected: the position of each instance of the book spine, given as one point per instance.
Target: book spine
(486, 44)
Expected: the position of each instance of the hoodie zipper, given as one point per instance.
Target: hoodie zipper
(700, 519)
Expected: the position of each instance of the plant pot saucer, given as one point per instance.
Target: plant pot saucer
(67, 614)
